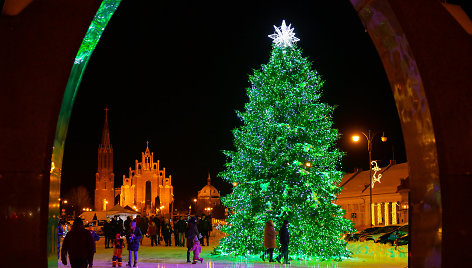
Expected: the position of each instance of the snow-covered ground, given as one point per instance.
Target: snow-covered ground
(365, 254)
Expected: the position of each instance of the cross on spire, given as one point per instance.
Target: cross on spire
(106, 112)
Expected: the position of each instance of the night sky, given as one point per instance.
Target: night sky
(174, 73)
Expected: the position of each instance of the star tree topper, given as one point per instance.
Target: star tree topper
(284, 36)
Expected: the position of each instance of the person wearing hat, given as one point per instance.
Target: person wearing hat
(192, 232)
(118, 245)
(133, 237)
(284, 238)
(79, 244)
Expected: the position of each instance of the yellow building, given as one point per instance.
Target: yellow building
(389, 196)
(208, 198)
(147, 189)
(105, 178)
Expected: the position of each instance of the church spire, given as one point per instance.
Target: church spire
(147, 148)
(209, 179)
(106, 132)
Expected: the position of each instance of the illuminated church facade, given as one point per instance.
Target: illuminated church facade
(146, 189)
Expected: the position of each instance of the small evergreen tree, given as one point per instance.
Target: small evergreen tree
(286, 165)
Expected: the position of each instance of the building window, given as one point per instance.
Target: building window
(394, 213)
(387, 215)
(373, 213)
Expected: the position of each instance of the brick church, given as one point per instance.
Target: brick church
(146, 189)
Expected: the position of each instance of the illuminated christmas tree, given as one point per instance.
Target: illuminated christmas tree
(286, 165)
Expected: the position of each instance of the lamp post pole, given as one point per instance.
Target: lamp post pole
(369, 147)
(369, 137)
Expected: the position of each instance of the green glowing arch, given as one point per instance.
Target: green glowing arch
(90, 41)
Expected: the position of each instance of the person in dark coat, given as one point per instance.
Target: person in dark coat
(108, 232)
(176, 234)
(133, 236)
(143, 226)
(79, 244)
(181, 227)
(269, 240)
(158, 227)
(284, 239)
(127, 224)
(204, 228)
(192, 232)
(167, 233)
(120, 226)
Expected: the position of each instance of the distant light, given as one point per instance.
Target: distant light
(308, 164)
(383, 138)
(356, 138)
(235, 184)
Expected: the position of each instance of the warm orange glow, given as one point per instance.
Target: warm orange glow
(65, 201)
(383, 139)
(195, 200)
(356, 138)
(308, 164)
(235, 184)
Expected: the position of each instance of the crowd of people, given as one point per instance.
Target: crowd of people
(79, 243)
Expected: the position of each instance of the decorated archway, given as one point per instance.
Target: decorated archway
(427, 62)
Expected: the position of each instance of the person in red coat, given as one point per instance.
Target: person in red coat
(79, 244)
(118, 246)
(269, 240)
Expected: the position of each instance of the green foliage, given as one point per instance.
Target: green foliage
(285, 165)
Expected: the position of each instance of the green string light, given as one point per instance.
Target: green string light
(285, 165)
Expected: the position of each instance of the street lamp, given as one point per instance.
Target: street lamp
(370, 137)
(196, 207)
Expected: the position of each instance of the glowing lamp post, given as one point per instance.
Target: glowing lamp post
(196, 207)
(369, 137)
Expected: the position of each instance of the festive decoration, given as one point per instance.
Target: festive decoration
(286, 165)
(284, 36)
(376, 169)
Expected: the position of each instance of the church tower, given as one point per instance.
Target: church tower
(105, 178)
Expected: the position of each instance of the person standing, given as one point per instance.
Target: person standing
(269, 240)
(192, 233)
(167, 233)
(95, 239)
(181, 226)
(143, 226)
(108, 232)
(204, 228)
(176, 234)
(158, 228)
(118, 245)
(152, 232)
(284, 238)
(79, 244)
(133, 236)
(127, 224)
(60, 233)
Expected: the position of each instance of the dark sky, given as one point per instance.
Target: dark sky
(174, 72)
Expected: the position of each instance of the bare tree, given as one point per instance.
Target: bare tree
(79, 198)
